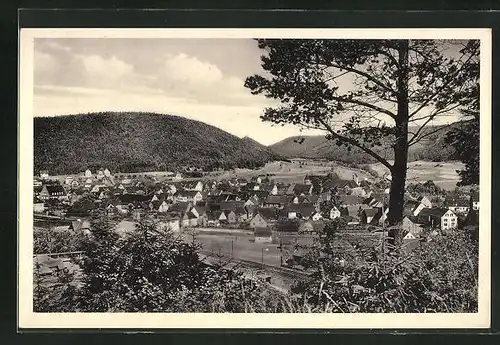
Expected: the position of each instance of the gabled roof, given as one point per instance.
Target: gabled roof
(186, 193)
(457, 203)
(269, 214)
(302, 188)
(276, 199)
(433, 212)
(231, 205)
(370, 212)
(55, 188)
(131, 198)
(306, 210)
(78, 225)
(260, 231)
(349, 199)
(179, 207)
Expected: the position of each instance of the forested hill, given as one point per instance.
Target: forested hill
(131, 142)
(318, 147)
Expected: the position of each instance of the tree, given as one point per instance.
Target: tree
(465, 137)
(366, 93)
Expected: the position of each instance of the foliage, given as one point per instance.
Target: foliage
(56, 241)
(83, 206)
(437, 276)
(465, 138)
(133, 142)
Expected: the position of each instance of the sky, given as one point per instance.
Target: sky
(200, 79)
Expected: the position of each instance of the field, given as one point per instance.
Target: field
(294, 172)
(239, 247)
(444, 174)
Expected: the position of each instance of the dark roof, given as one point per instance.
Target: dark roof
(318, 226)
(276, 199)
(55, 188)
(306, 210)
(432, 212)
(475, 196)
(186, 193)
(349, 199)
(260, 231)
(370, 212)
(382, 197)
(268, 214)
(131, 198)
(179, 207)
(457, 202)
(302, 188)
(231, 205)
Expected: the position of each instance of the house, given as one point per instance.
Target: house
(196, 185)
(88, 173)
(216, 218)
(348, 200)
(423, 202)
(302, 189)
(80, 225)
(412, 227)
(409, 236)
(177, 177)
(100, 174)
(475, 200)
(180, 208)
(259, 221)
(304, 211)
(110, 208)
(107, 173)
(316, 216)
(305, 227)
(368, 215)
(189, 220)
(52, 191)
(334, 212)
(38, 205)
(252, 201)
(68, 180)
(170, 224)
(188, 196)
(274, 190)
(160, 206)
(457, 205)
(442, 218)
(44, 174)
(231, 217)
(75, 184)
(276, 201)
(262, 235)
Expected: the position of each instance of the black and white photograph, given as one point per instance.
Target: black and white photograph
(192, 174)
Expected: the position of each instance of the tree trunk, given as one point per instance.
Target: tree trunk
(398, 171)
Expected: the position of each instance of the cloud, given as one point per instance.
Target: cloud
(112, 68)
(189, 69)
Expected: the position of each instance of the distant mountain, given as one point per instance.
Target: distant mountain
(318, 147)
(132, 142)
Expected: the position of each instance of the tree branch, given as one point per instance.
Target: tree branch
(357, 144)
(438, 91)
(367, 105)
(414, 139)
(430, 133)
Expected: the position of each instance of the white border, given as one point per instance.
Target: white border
(28, 319)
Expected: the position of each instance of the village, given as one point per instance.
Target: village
(256, 220)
